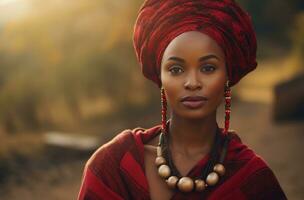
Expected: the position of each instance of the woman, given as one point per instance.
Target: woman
(194, 50)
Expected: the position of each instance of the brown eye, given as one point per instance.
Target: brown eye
(176, 69)
(207, 68)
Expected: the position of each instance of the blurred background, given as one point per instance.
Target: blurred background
(69, 82)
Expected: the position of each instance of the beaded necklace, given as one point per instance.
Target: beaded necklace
(210, 174)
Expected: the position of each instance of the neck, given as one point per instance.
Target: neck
(191, 136)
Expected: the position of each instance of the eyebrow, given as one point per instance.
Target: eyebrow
(201, 59)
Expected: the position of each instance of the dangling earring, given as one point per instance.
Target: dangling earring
(227, 95)
(163, 110)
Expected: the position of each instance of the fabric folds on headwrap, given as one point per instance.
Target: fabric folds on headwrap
(160, 21)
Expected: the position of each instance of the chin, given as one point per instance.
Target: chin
(194, 114)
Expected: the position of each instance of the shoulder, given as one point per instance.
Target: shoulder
(109, 164)
(240, 154)
(110, 155)
(238, 151)
(102, 174)
(262, 184)
(256, 178)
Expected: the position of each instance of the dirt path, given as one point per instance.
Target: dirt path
(279, 144)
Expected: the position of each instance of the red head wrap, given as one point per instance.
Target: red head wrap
(160, 21)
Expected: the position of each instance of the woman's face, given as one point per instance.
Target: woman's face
(193, 75)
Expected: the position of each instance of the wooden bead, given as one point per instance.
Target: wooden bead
(212, 178)
(164, 171)
(220, 169)
(199, 185)
(185, 184)
(160, 161)
(172, 181)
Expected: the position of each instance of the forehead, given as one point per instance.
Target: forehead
(192, 43)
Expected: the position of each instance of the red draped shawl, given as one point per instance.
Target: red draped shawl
(116, 172)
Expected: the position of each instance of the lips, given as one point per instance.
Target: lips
(194, 102)
(194, 98)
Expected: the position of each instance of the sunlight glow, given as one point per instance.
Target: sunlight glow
(5, 2)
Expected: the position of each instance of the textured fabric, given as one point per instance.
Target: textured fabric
(159, 22)
(116, 171)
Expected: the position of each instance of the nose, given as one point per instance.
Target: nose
(192, 82)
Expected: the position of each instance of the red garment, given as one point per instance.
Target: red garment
(159, 22)
(116, 172)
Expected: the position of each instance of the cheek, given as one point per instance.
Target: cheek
(172, 89)
(216, 90)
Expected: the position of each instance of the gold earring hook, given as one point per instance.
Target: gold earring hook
(227, 83)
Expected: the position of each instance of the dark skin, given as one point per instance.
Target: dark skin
(193, 64)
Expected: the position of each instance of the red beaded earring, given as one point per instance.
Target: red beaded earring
(227, 95)
(163, 110)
